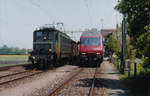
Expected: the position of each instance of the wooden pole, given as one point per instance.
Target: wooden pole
(129, 69)
(135, 69)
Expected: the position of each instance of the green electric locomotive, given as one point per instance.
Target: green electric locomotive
(51, 47)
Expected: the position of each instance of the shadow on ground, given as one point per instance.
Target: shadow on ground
(104, 83)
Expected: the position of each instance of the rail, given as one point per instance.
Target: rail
(91, 91)
(10, 66)
(19, 78)
(62, 84)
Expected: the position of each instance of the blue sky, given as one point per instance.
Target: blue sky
(19, 18)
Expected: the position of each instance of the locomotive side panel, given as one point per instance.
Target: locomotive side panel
(65, 43)
(50, 47)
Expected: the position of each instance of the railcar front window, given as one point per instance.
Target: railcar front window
(90, 41)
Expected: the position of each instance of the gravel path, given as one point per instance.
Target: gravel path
(109, 81)
(39, 84)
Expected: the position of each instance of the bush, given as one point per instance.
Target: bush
(143, 43)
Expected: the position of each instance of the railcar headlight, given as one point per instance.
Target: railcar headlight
(83, 53)
(98, 53)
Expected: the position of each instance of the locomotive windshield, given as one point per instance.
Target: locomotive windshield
(91, 41)
(43, 36)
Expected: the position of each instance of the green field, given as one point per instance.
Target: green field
(13, 57)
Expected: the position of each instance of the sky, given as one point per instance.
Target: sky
(19, 18)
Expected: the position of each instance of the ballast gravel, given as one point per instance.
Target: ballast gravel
(36, 85)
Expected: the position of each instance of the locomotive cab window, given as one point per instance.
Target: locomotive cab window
(51, 36)
(43, 36)
(38, 36)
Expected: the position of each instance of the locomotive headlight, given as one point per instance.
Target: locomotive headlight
(33, 57)
(50, 50)
(83, 53)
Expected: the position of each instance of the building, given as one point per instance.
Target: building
(106, 32)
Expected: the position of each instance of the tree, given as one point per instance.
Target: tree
(5, 50)
(138, 15)
(144, 43)
(113, 45)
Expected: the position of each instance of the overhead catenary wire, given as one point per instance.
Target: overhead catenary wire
(0, 21)
(88, 12)
(102, 23)
(32, 2)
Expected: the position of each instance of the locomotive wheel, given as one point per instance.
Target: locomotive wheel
(38, 65)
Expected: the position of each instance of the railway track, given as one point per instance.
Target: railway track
(92, 89)
(10, 66)
(14, 74)
(61, 85)
(91, 92)
(17, 76)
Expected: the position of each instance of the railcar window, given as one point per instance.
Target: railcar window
(91, 41)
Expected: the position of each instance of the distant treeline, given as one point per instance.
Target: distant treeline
(5, 50)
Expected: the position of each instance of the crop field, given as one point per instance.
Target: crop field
(12, 59)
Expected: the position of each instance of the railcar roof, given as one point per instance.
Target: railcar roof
(90, 33)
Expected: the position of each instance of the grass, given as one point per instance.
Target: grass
(13, 57)
(8, 58)
(138, 85)
(2, 65)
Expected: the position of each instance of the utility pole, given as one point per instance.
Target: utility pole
(102, 23)
(123, 43)
(0, 23)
